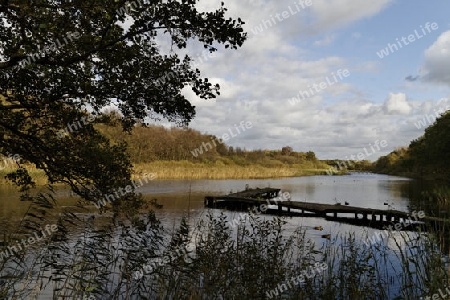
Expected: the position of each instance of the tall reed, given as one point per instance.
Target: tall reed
(189, 170)
(209, 260)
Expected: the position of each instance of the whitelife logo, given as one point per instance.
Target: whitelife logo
(201, 58)
(186, 253)
(317, 270)
(123, 191)
(429, 119)
(398, 226)
(49, 229)
(224, 138)
(441, 295)
(319, 87)
(75, 126)
(391, 48)
(130, 5)
(259, 210)
(360, 156)
(71, 36)
(11, 160)
(265, 24)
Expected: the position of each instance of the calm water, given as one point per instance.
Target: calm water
(185, 198)
(358, 189)
(180, 196)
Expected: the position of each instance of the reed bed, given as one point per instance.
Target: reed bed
(189, 170)
(210, 260)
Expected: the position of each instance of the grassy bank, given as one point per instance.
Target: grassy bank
(37, 175)
(190, 170)
(183, 153)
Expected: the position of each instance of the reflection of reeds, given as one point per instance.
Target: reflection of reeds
(223, 263)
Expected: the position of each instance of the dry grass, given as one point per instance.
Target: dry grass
(189, 170)
(37, 175)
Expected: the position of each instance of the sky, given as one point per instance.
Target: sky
(336, 77)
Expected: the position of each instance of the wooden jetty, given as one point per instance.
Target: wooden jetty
(249, 197)
(256, 198)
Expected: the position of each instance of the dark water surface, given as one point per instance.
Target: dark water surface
(185, 198)
(358, 189)
(179, 196)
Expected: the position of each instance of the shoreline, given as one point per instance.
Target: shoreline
(183, 170)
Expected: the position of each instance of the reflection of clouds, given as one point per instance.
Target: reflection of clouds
(310, 189)
(400, 240)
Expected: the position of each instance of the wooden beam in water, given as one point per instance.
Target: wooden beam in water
(257, 197)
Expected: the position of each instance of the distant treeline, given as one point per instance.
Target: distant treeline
(343, 166)
(426, 157)
(157, 143)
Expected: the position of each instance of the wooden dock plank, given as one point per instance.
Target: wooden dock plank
(332, 208)
(257, 197)
(253, 199)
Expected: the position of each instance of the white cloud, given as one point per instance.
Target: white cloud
(258, 80)
(437, 60)
(332, 14)
(325, 41)
(356, 35)
(334, 130)
(397, 104)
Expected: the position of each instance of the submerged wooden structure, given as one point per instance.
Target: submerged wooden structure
(259, 199)
(249, 197)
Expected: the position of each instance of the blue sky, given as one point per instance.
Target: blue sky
(376, 102)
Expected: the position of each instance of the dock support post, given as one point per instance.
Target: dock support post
(374, 217)
(365, 216)
(280, 209)
(209, 202)
(335, 214)
(356, 216)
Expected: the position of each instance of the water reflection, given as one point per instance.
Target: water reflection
(182, 197)
(361, 189)
(185, 198)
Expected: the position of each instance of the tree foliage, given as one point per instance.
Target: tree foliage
(60, 60)
(430, 154)
(157, 143)
(426, 156)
